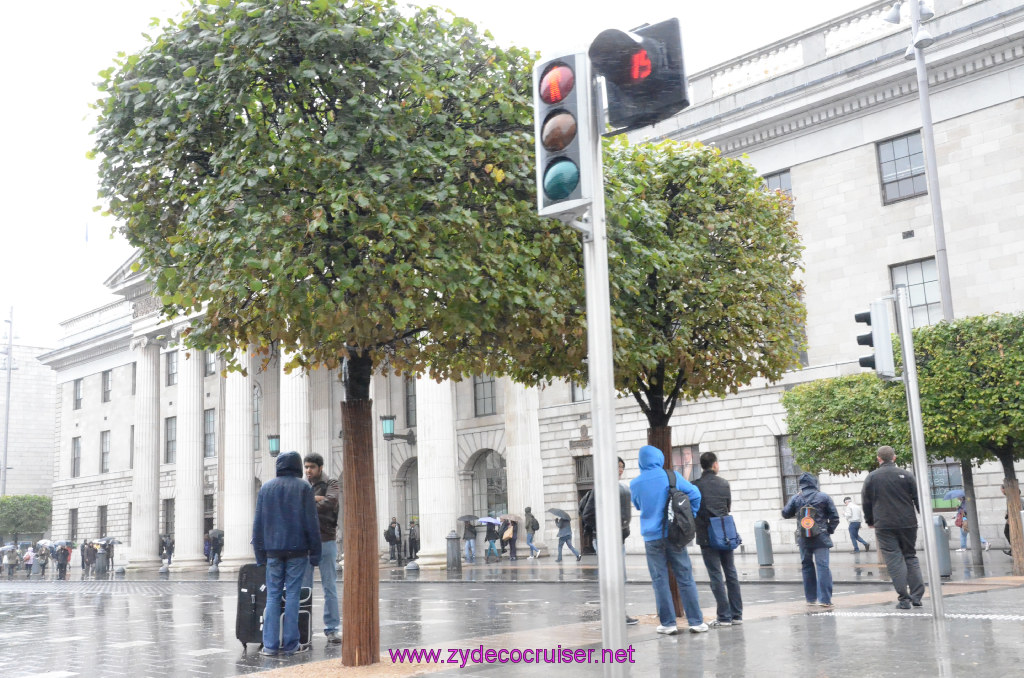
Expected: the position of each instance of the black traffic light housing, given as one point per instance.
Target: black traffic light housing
(563, 135)
(644, 74)
(880, 338)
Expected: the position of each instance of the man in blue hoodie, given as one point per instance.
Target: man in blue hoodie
(817, 520)
(285, 536)
(650, 496)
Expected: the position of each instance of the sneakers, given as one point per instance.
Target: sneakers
(903, 605)
(333, 638)
(668, 630)
(987, 545)
(736, 622)
(916, 603)
(631, 621)
(867, 547)
(700, 628)
(268, 653)
(718, 623)
(827, 606)
(302, 648)
(960, 550)
(579, 558)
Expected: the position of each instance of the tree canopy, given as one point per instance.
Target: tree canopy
(24, 514)
(703, 264)
(342, 179)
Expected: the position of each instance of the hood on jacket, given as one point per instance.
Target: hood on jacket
(808, 481)
(651, 457)
(289, 464)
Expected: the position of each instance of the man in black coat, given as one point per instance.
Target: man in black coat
(716, 501)
(890, 503)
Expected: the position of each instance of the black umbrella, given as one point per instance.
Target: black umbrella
(216, 534)
(64, 542)
(467, 518)
(107, 540)
(559, 513)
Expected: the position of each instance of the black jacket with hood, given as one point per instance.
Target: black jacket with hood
(286, 523)
(809, 494)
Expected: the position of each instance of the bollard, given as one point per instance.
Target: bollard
(101, 562)
(942, 546)
(763, 539)
(454, 552)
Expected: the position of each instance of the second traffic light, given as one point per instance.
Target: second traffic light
(564, 141)
(644, 74)
(880, 337)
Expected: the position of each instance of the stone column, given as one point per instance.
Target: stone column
(188, 481)
(523, 466)
(239, 469)
(320, 432)
(437, 455)
(294, 400)
(145, 546)
(381, 459)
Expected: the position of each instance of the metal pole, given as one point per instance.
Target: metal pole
(924, 494)
(602, 407)
(7, 403)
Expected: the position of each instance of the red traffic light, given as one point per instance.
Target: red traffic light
(556, 83)
(640, 67)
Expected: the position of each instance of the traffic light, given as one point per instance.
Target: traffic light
(880, 337)
(644, 74)
(562, 121)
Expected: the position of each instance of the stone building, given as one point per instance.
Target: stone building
(166, 444)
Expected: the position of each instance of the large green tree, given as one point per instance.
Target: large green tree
(24, 514)
(970, 374)
(349, 183)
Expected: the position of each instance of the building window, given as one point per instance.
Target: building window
(104, 451)
(257, 397)
(686, 460)
(779, 181)
(131, 448)
(101, 518)
(207, 513)
(209, 433)
(73, 524)
(585, 470)
(901, 165)
(172, 368)
(135, 370)
(580, 393)
(209, 364)
(108, 385)
(169, 517)
(945, 476)
(490, 485)
(410, 402)
(78, 394)
(483, 396)
(921, 279)
(788, 468)
(76, 457)
(170, 440)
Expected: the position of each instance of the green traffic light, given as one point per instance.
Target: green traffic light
(561, 179)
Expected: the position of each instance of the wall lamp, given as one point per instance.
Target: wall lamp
(274, 442)
(387, 423)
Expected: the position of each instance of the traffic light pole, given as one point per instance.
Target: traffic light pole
(924, 493)
(611, 577)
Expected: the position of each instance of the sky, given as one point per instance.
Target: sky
(56, 252)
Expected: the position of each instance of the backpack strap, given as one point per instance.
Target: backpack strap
(671, 478)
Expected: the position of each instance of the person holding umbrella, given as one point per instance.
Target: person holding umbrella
(10, 559)
(531, 527)
(511, 534)
(564, 533)
(491, 537)
(469, 536)
(961, 519)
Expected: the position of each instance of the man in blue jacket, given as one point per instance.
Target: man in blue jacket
(650, 496)
(285, 536)
(818, 519)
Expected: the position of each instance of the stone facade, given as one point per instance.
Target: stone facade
(30, 430)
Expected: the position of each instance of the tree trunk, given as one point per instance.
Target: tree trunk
(360, 602)
(1012, 491)
(974, 534)
(661, 437)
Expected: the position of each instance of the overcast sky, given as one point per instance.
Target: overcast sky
(55, 252)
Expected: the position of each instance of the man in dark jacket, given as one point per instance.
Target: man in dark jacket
(326, 494)
(716, 501)
(285, 535)
(889, 500)
(469, 536)
(818, 519)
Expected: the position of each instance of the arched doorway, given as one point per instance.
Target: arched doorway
(409, 501)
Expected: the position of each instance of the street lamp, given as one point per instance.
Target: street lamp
(387, 424)
(274, 443)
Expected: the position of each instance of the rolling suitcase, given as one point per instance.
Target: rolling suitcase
(252, 601)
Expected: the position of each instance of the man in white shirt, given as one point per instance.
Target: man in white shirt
(855, 516)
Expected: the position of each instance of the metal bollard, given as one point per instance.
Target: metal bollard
(942, 546)
(763, 539)
(454, 552)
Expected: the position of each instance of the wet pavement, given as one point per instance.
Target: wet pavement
(182, 626)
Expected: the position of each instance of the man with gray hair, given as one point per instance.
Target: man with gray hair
(890, 503)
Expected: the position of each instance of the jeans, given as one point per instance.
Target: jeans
(817, 575)
(855, 536)
(492, 548)
(529, 542)
(897, 547)
(283, 576)
(329, 580)
(471, 550)
(727, 589)
(567, 541)
(963, 538)
(660, 556)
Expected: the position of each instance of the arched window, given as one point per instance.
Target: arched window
(490, 485)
